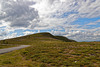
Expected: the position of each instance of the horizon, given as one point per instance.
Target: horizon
(74, 19)
(51, 34)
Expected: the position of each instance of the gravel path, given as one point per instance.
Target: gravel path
(6, 50)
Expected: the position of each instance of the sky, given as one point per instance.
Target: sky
(74, 19)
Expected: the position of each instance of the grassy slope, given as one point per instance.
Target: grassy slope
(64, 39)
(48, 51)
(6, 46)
(29, 39)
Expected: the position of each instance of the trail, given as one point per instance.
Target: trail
(6, 50)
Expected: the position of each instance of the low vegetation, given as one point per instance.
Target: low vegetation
(48, 51)
(7, 46)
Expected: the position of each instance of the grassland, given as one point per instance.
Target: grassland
(47, 51)
(6, 46)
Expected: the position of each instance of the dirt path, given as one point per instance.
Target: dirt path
(6, 50)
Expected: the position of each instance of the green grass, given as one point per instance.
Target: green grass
(46, 51)
(6, 46)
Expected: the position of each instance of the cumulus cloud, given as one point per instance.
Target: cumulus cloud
(3, 34)
(56, 15)
(18, 13)
(22, 13)
(28, 32)
(94, 23)
(79, 35)
(85, 36)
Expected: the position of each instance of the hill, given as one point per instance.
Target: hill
(47, 50)
(64, 39)
(35, 37)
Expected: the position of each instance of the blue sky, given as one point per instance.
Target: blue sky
(75, 19)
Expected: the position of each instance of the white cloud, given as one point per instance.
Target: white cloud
(49, 14)
(90, 8)
(18, 13)
(94, 23)
(3, 34)
(85, 36)
(13, 35)
(79, 35)
(28, 32)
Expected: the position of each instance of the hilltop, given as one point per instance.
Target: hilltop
(35, 37)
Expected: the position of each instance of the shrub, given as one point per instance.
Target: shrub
(66, 63)
(25, 52)
(7, 62)
(42, 65)
(44, 60)
(36, 55)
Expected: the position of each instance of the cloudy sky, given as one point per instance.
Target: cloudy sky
(75, 19)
